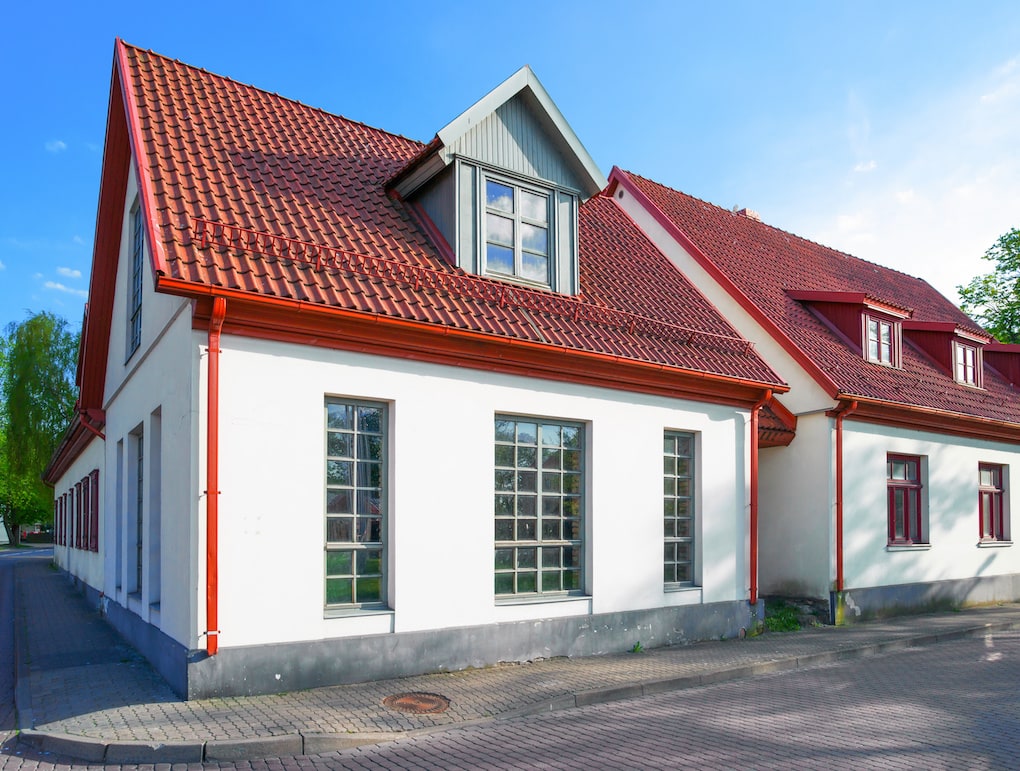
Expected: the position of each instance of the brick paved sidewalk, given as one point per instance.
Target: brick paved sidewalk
(83, 691)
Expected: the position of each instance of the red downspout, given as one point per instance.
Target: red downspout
(212, 479)
(841, 413)
(754, 494)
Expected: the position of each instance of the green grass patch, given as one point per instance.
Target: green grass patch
(780, 617)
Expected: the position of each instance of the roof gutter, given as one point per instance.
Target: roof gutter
(212, 475)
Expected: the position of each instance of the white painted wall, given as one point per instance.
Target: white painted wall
(951, 496)
(441, 470)
(85, 565)
(797, 498)
(157, 385)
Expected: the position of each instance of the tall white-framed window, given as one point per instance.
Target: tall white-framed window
(136, 272)
(355, 504)
(882, 341)
(517, 226)
(539, 520)
(679, 523)
(966, 364)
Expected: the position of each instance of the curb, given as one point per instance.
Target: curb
(315, 743)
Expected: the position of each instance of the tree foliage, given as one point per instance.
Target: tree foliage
(37, 397)
(994, 298)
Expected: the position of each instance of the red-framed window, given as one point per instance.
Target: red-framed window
(991, 502)
(78, 515)
(903, 479)
(94, 524)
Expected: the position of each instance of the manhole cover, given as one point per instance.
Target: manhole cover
(417, 703)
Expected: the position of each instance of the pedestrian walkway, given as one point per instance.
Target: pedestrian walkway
(83, 692)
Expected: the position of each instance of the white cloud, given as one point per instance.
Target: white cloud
(78, 240)
(58, 287)
(56, 146)
(865, 166)
(69, 272)
(37, 276)
(2, 266)
(942, 190)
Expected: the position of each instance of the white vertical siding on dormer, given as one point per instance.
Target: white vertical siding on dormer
(513, 139)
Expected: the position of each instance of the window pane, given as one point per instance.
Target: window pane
(504, 529)
(527, 582)
(505, 430)
(534, 239)
(370, 447)
(499, 259)
(338, 502)
(339, 445)
(338, 563)
(339, 590)
(535, 267)
(504, 455)
(551, 436)
(534, 207)
(369, 562)
(370, 419)
(339, 472)
(499, 230)
(504, 559)
(339, 529)
(369, 590)
(339, 416)
(527, 433)
(527, 457)
(498, 196)
(504, 583)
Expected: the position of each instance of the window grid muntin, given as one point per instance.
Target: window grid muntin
(137, 252)
(355, 504)
(903, 480)
(991, 502)
(521, 221)
(538, 507)
(678, 508)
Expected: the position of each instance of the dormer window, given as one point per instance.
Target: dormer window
(516, 232)
(883, 338)
(966, 370)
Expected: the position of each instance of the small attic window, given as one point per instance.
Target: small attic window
(883, 340)
(966, 364)
(517, 221)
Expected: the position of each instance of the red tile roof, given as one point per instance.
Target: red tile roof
(767, 264)
(215, 150)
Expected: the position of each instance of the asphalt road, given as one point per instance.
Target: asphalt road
(950, 705)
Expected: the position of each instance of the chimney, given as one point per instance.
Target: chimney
(751, 214)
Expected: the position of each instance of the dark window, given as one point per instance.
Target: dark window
(991, 502)
(904, 487)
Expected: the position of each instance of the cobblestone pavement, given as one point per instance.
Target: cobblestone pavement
(79, 679)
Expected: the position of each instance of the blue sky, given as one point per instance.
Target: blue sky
(888, 130)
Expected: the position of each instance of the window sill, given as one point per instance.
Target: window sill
(990, 544)
(356, 612)
(673, 588)
(542, 599)
(908, 547)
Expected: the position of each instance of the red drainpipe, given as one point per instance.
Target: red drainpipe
(212, 477)
(754, 494)
(840, 413)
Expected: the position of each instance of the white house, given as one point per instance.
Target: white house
(354, 406)
(896, 493)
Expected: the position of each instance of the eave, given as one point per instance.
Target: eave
(293, 321)
(916, 418)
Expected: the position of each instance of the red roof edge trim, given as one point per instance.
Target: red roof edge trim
(951, 328)
(933, 420)
(852, 298)
(156, 254)
(206, 234)
(619, 178)
(412, 164)
(779, 409)
(273, 318)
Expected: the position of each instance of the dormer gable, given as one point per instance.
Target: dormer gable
(956, 349)
(1005, 359)
(870, 325)
(499, 187)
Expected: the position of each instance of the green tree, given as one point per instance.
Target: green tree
(994, 298)
(37, 397)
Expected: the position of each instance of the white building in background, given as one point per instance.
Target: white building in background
(896, 494)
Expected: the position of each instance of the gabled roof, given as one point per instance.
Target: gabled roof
(281, 207)
(437, 154)
(776, 275)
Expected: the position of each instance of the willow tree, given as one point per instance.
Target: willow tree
(37, 397)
